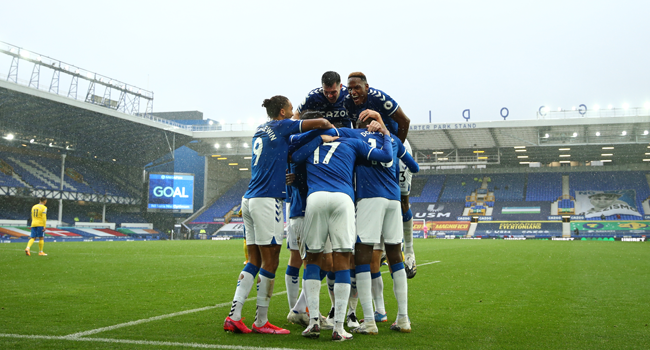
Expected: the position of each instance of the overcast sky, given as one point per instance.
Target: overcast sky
(224, 58)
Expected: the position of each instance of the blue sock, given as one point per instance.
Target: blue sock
(292, 271)
(312, 272)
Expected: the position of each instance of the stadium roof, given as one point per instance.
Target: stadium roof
(507, 143)
(84, 128)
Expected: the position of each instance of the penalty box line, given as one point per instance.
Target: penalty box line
(142, 342)
(162, 317)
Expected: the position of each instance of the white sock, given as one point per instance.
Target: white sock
(293, 289)
(400, 289)
(341, 292)
(408, 237)
(378, 294)
(354, 295)
(301, 304)
(264, 293)
(364, 289)
(330, 288)
(312, 293)
(241, 294)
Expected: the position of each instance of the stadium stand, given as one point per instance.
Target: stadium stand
(40, 172)
(225, 203)
(611, 180)
(507, 187)
(458, 187)
(426, 188)
(544, 187)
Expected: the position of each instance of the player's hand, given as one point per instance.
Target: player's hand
(376, 126)
(328, 138)
(369, 113)
(289, 178)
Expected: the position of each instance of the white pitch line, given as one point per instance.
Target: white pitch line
(180, 313)
(156, 318)
(143, 342)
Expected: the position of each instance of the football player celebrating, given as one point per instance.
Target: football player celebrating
(262, 211)
(379, 221)
(362, 97)
(330, 212)
(328, 99)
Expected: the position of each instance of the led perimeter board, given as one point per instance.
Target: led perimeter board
(173, 192)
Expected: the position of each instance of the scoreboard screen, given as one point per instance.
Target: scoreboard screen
(172, 192)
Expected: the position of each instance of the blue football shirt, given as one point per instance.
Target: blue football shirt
(334, 112)
(330, 165)
(377, 101)
(269, 161)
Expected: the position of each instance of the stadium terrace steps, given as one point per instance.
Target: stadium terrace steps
(426, 188)
(29, 175)
(458, 187)
(45, 173)
(544, 187)
(507, 187)
(225, 203)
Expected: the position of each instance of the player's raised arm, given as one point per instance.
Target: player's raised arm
(403, 123)
(383, 154)
(406, 158)
(319, 123)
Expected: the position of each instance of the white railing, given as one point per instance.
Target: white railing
(600, 113)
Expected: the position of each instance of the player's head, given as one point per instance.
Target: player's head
(42, 200)
(358, 87)
(363, 124)
(310, 114)
(603, 200)
(331, 82)
(278, 107)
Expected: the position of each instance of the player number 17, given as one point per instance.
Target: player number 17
(329, 154)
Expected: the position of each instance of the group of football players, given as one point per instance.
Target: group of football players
(348, 185)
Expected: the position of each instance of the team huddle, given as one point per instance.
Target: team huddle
(343, 164)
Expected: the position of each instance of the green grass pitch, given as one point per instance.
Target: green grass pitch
(482, 294)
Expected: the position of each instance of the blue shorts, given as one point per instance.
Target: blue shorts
(37, 232)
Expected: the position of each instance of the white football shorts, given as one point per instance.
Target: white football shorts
(379, 217)
(263, 220)
(294, 236)
(405, 174)
(329, 214)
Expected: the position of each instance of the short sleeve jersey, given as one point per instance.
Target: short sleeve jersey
(39, 213)
(334, 112)
(269, 161)
(330, 166)
(377, 101)
(375, 179)
(298, 191)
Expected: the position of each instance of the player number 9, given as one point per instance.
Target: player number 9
(257, 149)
